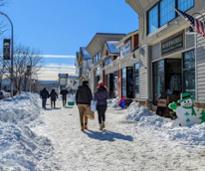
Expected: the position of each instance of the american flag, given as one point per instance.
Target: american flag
(196, 24)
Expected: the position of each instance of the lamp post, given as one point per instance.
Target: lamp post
(12, 49)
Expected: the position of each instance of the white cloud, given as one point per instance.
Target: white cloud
(57, 56)
(51, 71)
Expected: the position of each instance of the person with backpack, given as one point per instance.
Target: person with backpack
(44, 94)
(101, 97)
(83, 100)
(64, 94)
(53, 96)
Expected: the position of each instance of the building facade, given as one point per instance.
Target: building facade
(101, 54)
(176, 56)
(83, 64)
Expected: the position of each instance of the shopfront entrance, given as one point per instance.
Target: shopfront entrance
(113, 84)
(128, 82)
(172, 76)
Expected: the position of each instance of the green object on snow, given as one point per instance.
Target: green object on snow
(202, 116)
(71, 103)
(173, 106)
(184, 96)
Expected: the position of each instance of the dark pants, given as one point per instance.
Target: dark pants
(64, 101)
(44, 100)
(53, 104)
(101, 113)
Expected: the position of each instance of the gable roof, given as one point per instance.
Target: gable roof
(84, 53)
(97, 42)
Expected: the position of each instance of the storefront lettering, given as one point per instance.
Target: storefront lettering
(172, 44)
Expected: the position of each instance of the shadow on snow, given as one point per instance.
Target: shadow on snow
(108, 136)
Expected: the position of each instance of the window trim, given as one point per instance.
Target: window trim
(156, 4)
(159, 23)
(138, 68)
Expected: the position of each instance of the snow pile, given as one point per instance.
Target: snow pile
(113, 103)
(136, 112)
(21, 109)
(194, 135)
(20, 148)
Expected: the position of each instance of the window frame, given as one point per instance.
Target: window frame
(177, 5)
(192, 69)
(156, 4)
(137, 71)
(175, 15)
(159, 20)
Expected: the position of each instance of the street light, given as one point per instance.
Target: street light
(12, 49)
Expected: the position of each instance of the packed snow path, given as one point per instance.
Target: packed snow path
(123, 147)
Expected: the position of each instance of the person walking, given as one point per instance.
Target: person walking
(44, 94)
(101, 97)
(64, 94)
(53, 96)
(83, 100)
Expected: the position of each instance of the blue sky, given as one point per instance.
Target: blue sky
(60, 27)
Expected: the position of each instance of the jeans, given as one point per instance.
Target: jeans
(101, 113)
(53, 104)
(44, 100)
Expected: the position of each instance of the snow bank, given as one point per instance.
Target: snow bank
(194, 135)
(113, 103)
(21, 109)
(20, 148)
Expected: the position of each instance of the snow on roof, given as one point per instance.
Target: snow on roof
(112, 47)
(85, 53)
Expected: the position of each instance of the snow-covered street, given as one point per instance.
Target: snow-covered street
(123, 146)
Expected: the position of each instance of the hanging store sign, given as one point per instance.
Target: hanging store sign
(7, 49)
(172, 44)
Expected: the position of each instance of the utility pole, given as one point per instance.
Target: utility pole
(12, 51)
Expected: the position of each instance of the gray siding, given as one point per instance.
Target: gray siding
(201, 68)
(189, 41)
(155, 52)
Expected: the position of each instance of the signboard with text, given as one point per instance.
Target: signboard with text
(172, 44)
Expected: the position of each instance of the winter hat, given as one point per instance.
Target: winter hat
(184, 96)
(100, 84)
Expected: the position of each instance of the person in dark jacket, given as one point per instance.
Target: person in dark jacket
(83, 100)
(64, 94)
(44, 94)
(101, 97)
(53, 96)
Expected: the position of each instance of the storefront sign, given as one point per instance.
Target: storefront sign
(172, 44)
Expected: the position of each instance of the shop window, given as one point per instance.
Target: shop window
(189, 72)
(125, 49)
(108, 61)
(159, 80)
(124, 74)
(153, 23)
(167, 12)
(184, 5)
(137, 78)
(130, 82)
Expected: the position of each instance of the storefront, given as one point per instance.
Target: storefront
(127, 82)
(174, 72)
(112, 84)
